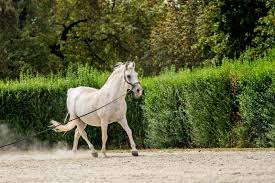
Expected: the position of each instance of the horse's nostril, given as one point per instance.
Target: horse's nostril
(138, 90)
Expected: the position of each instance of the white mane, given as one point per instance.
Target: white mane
(117, 69)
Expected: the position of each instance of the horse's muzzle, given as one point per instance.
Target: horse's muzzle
(137, 90)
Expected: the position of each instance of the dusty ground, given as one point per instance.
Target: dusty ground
(151, 166)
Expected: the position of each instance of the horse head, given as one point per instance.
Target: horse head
(131, 78)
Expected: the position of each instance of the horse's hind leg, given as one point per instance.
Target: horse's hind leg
(76, 139)
(83, 134)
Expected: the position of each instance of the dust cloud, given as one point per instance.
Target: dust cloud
(8, 135)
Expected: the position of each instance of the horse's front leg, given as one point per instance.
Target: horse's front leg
(104, 127)
(126, 127)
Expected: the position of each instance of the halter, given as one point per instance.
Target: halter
(132, 84)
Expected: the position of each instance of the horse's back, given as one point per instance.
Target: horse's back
(80, 90)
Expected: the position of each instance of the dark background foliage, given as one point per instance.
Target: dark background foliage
(48, 36)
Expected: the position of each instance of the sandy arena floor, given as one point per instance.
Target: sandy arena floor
(151, 166)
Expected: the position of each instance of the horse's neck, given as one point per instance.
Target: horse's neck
(115, 87)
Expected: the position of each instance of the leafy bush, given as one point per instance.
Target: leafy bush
(257, 109)
(165, 113)
(213, 107)
(208, 107)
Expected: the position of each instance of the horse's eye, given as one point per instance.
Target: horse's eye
(129, 76)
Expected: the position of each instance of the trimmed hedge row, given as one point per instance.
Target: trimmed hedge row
(28, 105)
(229, 106)
(164, 111)
(191, 110)
(257, 109)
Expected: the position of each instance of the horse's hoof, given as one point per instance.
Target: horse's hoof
(95, 154)
(135, 153)
(104, 155)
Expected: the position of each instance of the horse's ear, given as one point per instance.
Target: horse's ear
(126, 65)
(130, 65)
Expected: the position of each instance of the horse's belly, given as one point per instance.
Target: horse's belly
(94, 123)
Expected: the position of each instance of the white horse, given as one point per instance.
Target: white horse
(82, 100)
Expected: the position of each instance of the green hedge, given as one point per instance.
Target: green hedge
(257, 107)
(208, 108)
(228, 106)
(28, 105)
(189, 109)
(165, 113)
(258, 111)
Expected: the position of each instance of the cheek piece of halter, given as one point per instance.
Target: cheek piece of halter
(132, 84)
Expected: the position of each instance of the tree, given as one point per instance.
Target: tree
(226, 28)
(49, 35)
(265, 30)
(8, 28)
(173, 38)
(105, 33)
(25, 40)
(45, 36)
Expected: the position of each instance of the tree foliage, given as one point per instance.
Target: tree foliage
(172, 39)
(226, 28)
(46, 36)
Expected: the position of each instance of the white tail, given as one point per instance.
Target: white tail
(58, 127)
